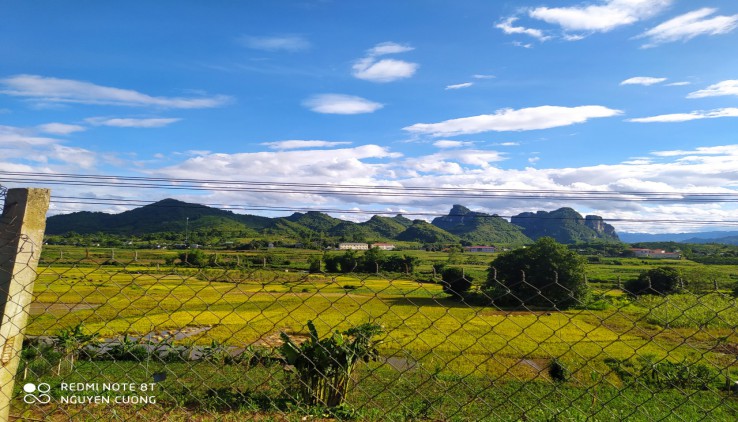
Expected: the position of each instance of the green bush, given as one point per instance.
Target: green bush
(656, 281)
(194, 258)
(648, 370)
(455, 282)
(546, 275)
(558, 372)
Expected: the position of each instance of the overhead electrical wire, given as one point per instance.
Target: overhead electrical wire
(415, 192)
(71, 200)
(357, 190)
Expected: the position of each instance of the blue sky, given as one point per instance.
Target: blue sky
(535, 95)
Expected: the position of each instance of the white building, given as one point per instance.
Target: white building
(353, 246)
(656, 254)
(383, 246)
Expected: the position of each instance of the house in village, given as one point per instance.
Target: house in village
(384, 246)
(353, 246)
(655, 253)
(480, 249)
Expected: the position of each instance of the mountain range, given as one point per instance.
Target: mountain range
(725, 237)
(460, 225)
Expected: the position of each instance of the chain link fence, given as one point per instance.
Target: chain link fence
(186, 335)
(161, 334)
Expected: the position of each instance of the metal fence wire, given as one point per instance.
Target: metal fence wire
(124, 334)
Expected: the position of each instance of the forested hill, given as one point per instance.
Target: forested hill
(565, 225)
(480, 228)
(173, 218)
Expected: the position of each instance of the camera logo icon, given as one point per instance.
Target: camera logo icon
(37, 393)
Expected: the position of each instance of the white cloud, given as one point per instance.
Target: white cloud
(507, 27)
(642, 80)
(21, 148)
(452, 161)
(670, 176)
(10, 136)
(481, 76)
(304, 165)
(533, 118)
(79, 157)
(689, 25)
(730, 150)
(301, 144)
(389, 48)
(523, 45)
(681, 83)
(341, 104)
(602, 17)
(385, 70)
(60, 128)
(729, 87)
(574, 37)
(451, 144)
(684, 117)
(48, 90)
(459, 86)
(136, 123)
(290, 43)
(373, 69)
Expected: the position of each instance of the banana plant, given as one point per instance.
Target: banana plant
(70, 343)
(323, 368)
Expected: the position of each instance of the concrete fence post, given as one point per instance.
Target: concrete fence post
(21, 235)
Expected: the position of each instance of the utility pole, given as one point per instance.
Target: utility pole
(22, 229)
(187, 232)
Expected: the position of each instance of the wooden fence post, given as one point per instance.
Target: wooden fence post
(21, 235)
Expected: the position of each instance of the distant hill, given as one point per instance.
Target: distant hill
(171, 219)
(386, 227)
(696, 237)
(168, 215)
(480, 228)
(565, 225)
(727, 240)
(348, 231)
(423, 231)
(314, 220)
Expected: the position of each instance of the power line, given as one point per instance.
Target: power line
(135, 202)
(327, 189)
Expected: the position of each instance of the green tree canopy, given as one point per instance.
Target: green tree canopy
(455, 281)
(661, 280)
(546, 274)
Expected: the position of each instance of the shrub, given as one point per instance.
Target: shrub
(661, 281)
(455, 282)
(558, 372)
(314, 262)
(545, 274)
(193, 258)
(647, 370)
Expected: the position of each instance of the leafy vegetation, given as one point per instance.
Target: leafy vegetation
(656, 281)
(323, 368)
(545, 274)
(652, 371)
(245, 298)
(455, 282)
